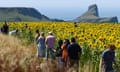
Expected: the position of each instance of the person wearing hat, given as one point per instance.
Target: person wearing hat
(50, 40)
(107, 59)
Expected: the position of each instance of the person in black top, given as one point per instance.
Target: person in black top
(58, 49)
(74, 52)
(5, 28)
(59, 56)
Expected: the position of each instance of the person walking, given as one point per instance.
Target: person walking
(108, 59)
(50, 40)
(41, 45)
(5, 28)
(74, 53)
(66, 42)
(36, 42)
(59, 56)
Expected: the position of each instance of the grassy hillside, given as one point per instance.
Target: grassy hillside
(21, 14)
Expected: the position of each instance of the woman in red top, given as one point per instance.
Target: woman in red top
(65, 53)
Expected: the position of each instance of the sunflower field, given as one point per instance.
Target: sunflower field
(92, 37)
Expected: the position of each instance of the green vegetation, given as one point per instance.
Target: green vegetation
(92, 37)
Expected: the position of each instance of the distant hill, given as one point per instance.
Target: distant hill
(22, 14)
(92, 15)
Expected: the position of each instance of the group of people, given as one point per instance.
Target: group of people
(67, 52)
(45, 44)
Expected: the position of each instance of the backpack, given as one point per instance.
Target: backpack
(59, 52)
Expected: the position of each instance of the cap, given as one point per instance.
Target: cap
(50, 33)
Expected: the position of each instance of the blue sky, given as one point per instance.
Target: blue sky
(66, 9)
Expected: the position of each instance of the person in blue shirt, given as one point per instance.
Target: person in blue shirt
(41, 45)
(107, 59)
